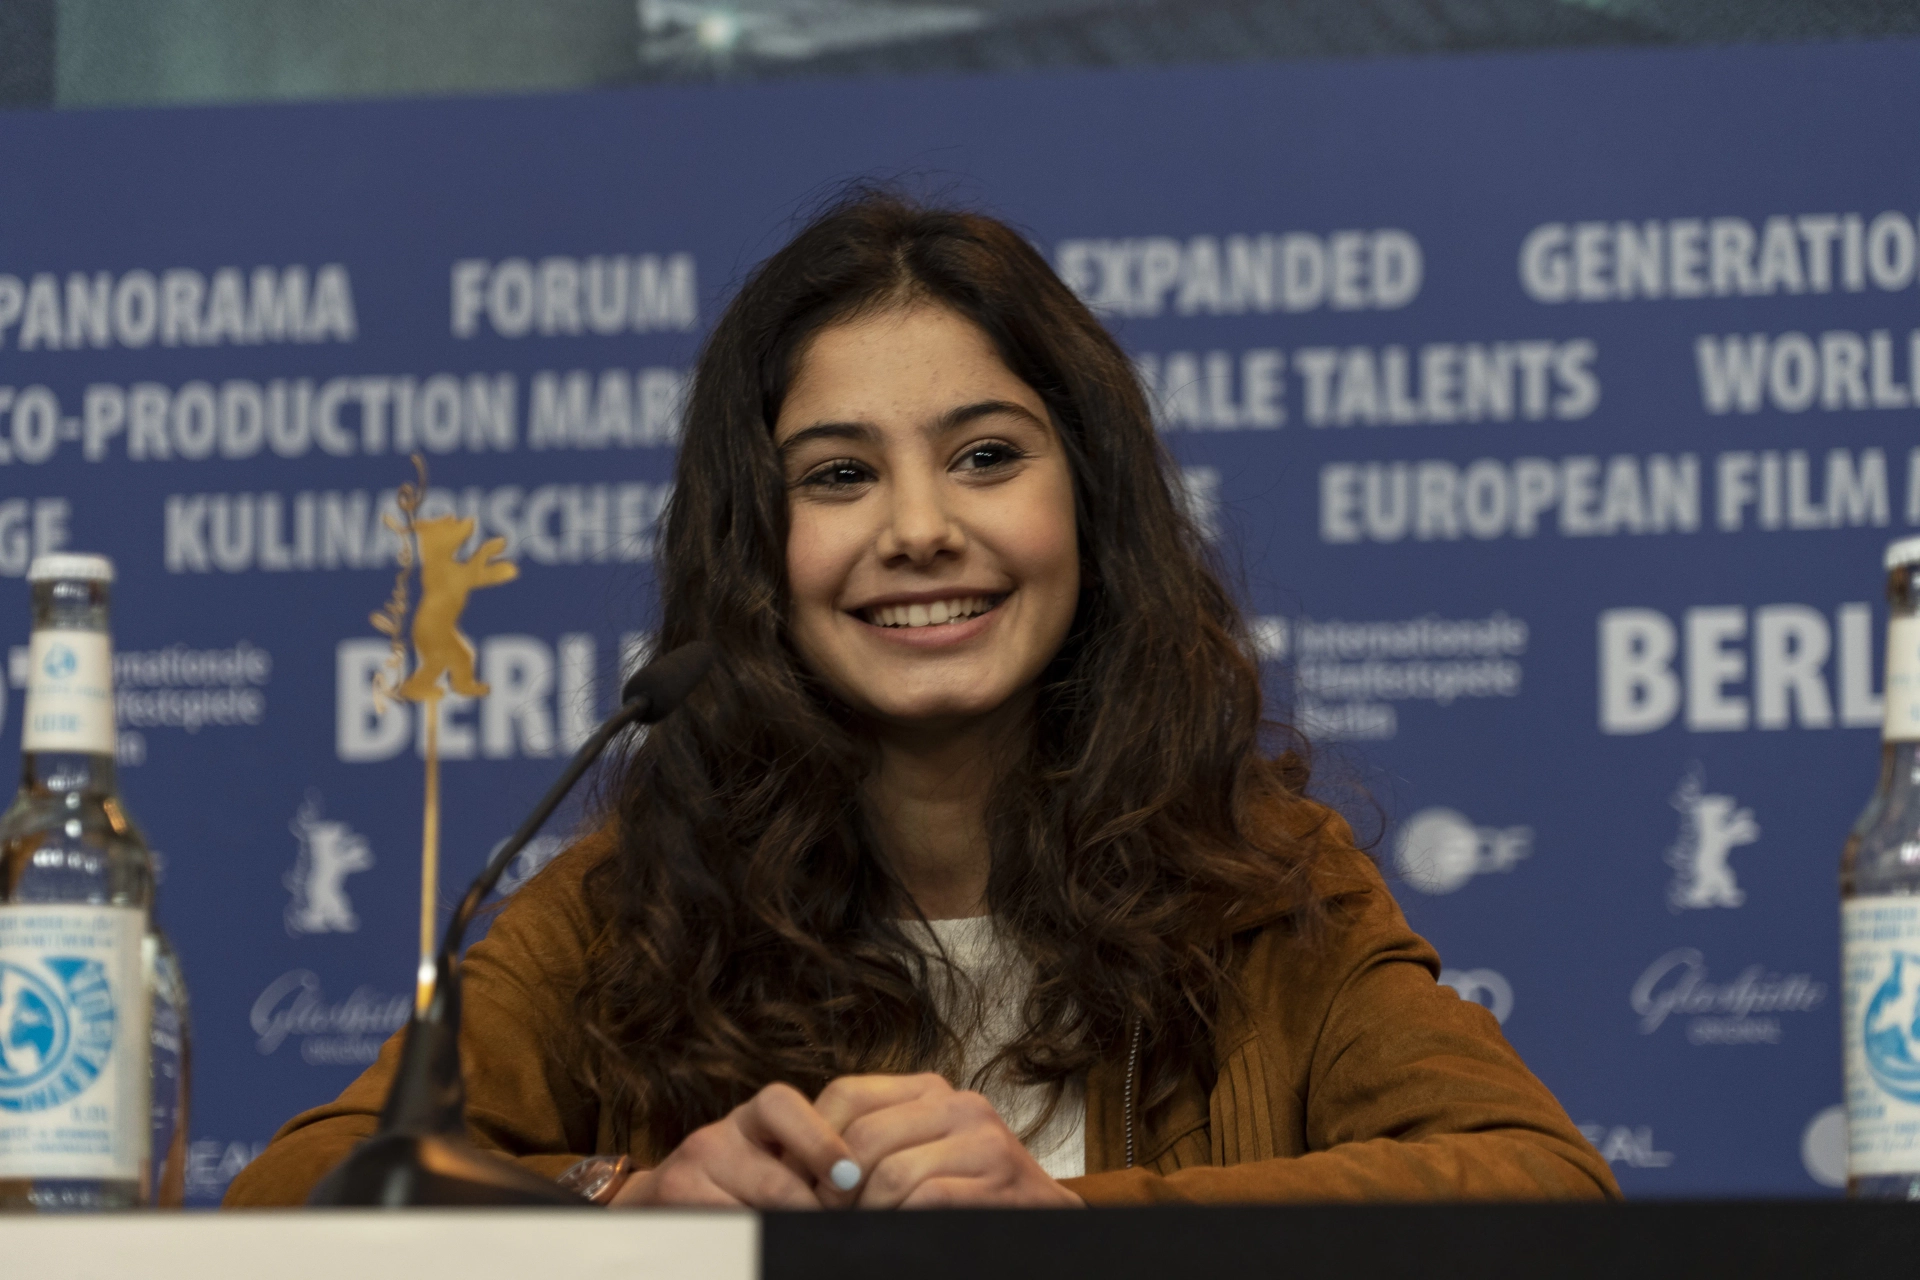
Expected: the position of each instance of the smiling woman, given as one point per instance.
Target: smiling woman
(971, 875)
(930, 544)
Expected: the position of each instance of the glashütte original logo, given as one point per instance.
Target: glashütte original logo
(345, 1032)
(1743, 1011)
(56, 1031)
(1888, 1029)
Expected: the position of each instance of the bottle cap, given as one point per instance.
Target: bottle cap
(1906, 551)
(71, 564)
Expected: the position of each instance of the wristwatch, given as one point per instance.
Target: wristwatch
(597, 1179)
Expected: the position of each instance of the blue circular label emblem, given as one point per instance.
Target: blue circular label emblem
(56, 1030)
(60, 662)
(1890, 1029)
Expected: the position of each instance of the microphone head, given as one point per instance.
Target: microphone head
(665, 682)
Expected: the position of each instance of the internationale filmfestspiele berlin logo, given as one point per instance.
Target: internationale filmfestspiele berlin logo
(442, 657)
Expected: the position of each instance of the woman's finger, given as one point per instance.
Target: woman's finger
(953, 1193)
(683, 1186)
(765, 1183)
(981, 1193)
(755, 1176)
(780, 1120)
(718, 1165)
(850, 1097)
(928, 1118)
(896, 1177)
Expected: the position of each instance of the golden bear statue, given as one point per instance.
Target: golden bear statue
(445, 584)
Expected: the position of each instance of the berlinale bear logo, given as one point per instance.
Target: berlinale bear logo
(330, 851)
(56, 1031)
(1711, 828)
(1891, 1026)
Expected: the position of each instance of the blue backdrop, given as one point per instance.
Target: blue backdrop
(1554, 410)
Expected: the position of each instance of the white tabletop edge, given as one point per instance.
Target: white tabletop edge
(371, 1245)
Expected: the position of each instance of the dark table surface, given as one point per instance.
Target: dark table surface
(1655, 1239)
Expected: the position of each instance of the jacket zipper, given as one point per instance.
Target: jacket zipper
(1133, 1064)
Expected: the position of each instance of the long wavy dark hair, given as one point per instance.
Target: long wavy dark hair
(752, 929)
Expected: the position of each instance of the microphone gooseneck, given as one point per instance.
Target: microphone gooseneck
(649, 695)
(420, 1155)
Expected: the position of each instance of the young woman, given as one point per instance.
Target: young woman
(969, 876)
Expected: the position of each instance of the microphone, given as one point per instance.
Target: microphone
(420, 1155)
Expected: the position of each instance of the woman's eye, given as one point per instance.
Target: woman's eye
(994, 453)
(836, 475)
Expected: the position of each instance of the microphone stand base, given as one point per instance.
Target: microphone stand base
(411, 1171)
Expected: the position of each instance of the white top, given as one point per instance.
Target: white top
(981, 998)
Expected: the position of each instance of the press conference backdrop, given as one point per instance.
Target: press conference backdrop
(1553, 410)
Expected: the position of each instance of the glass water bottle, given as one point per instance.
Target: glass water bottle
(1880, 924)
(170, 1067)
(80, 960)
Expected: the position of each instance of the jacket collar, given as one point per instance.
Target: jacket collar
(1337, 871)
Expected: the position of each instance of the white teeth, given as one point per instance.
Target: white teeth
(928, 615)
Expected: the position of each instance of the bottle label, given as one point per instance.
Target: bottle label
(73, 1042)
(69, 693)
(1902, 723)
(1880, 1012)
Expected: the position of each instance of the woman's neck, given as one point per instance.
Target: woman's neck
(926, 800)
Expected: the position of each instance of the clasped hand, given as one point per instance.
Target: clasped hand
(872, 1142)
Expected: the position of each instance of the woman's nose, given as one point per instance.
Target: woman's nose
(920, 526)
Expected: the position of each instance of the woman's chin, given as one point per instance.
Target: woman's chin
(935, 713)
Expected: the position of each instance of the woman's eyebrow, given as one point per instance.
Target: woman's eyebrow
(953, 419)
(858, 431)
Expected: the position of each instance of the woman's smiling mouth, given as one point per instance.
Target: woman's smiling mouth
(930, 613)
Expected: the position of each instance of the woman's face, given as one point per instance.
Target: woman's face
(931, 553)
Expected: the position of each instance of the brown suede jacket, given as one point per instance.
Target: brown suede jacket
(1347, 1073)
